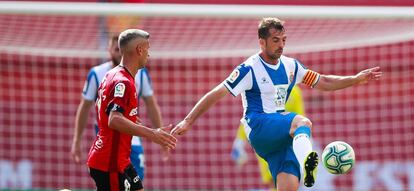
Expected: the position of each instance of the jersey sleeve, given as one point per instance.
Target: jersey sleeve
(306, 76)
(146, 85)
(90, 87)
(122, 92)
(239, 80)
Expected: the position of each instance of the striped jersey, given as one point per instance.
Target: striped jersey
(264, 87)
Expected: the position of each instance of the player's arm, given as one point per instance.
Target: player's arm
(80, 124)
(147, 94)
(119, 123)
(201, 107)
(153, 111)
(81, 119)
(206, 102)
(333, 82)
(238, 81)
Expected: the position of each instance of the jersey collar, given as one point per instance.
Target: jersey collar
(272, 66)
(126, 69)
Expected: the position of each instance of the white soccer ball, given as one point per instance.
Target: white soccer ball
(338, 157)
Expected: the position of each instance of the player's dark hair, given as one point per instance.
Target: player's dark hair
(113, 38)
(266, 24)
(131, 34)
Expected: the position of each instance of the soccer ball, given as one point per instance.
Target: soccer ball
(338, 157)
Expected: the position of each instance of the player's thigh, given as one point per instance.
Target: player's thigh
(287, 182)
(129, 180)
(270, 132)
(283, 162)
(264, 170)
(138, 160)
(102, 179)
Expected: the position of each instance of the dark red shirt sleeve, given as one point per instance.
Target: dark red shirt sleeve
(121, 95)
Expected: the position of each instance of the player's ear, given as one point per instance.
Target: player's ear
(262, 42)
(138, 49)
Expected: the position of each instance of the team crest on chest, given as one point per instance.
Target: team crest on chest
(119, 90)
(280, 96)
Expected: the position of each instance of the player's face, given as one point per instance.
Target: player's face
(274, 44)
(144, 52)
(114, 52)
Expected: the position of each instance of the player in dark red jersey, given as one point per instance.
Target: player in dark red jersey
(109, 162)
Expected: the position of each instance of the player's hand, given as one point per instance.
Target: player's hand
(75, 151)
(238, 153)
(369, 74)
(181, 128)
(165, 154)
(163, 138)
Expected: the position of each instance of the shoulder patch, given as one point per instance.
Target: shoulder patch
(119, 90)
(234, 75)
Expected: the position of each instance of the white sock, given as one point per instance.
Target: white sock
(302, 146)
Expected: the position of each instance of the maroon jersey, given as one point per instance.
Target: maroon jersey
(111, 149)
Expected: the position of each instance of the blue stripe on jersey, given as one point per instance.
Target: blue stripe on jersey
(253, 97)
(145, 71)
(97, 84)
(277, 76)
(293, 82)
(243, 70)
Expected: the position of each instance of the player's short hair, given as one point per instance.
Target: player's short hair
(131, 34)
(266, 24)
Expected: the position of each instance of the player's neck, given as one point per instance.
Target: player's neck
(114, 63)
(269, 60)
(130, 69)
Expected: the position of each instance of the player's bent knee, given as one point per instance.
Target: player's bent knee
(300, 121)
(306, 122)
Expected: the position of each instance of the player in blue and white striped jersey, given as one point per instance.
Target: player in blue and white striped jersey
(145, 91)
(265, 81)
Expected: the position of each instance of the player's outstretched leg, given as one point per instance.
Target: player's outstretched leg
(302, 147)
(310, 168)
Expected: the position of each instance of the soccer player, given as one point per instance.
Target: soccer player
(90, 90)
(265, 81)
(293, 104)
(117, 108)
